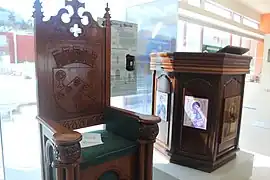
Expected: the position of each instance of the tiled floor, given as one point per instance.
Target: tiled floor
(21, 143)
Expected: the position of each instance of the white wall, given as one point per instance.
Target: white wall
(240, 8)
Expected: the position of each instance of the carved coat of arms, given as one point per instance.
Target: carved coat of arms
(74, 78)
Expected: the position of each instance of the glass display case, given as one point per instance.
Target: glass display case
(157, 31)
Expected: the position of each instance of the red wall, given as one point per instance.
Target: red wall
(25, 48)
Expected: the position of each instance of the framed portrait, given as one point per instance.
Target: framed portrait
(231, 117)
(195, 112)
(161, 108)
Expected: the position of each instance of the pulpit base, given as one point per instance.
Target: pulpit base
(206, 166)
(239, 168)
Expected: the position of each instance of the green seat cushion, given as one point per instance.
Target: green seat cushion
(109, 175)
(113, 147)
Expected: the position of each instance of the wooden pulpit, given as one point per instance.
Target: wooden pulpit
(199, 98)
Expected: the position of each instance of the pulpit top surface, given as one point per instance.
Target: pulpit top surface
(216, 63)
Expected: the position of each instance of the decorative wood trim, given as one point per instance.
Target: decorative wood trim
(212, 63)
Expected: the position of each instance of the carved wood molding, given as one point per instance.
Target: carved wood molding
(68, 154)
(62, 156)
(76, 24)
(214, 63)
(81, 122)
(148, 132)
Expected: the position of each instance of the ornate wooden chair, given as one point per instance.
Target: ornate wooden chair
(73, 83)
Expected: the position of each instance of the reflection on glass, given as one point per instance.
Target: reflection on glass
(215, 37)
(156, 31)
(193, 38)
(195, 112)
(19, 126)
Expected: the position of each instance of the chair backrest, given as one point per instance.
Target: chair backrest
(72, 65)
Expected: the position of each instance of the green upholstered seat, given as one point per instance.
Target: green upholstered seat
(109, 175)
(113, 147)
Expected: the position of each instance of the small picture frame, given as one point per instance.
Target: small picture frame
(195, 114)
(161, 108)
(231, 117)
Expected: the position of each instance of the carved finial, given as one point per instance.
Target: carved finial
(38, 14)
(107, 7)
(107, 16)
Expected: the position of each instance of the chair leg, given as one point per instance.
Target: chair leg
(77, 172)
(60, 173)
(42, 152)
(142, 162)
(149, 162)
(70, 173)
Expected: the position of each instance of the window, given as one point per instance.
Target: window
(117, 60)
(193, 38)
(117, 75)
(253, 53)
(215, 37)
(250, 23)
(245, 42)
(195, 2)
(237, 18)
(181, 36)
(3, 40)
(236, 40)
(217, 9)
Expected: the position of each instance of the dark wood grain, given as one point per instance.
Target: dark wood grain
(73, 64)
(217, 77)
(214, 63)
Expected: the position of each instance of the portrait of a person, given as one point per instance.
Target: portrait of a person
(161, 107)
(197, 118)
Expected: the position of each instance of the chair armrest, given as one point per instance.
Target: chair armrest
(131, 125)
(65, 142)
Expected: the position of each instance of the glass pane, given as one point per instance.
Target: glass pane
(237, 18)
(250, 23)
(214, 37)
(181, 36)
(236, 40)
(195, 2)
(253, 53)
(246, 42)
(154, 28)
(19, 128)
(2, 170)
(217, 9)
(193, 38)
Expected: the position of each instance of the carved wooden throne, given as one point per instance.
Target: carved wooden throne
(73, 80)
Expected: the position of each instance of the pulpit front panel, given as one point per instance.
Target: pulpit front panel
(197, 115)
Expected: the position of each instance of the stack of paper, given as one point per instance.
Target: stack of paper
(90, 139)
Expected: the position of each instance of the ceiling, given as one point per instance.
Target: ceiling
(262, 6)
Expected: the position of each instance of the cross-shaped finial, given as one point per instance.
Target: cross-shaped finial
(76, 30)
